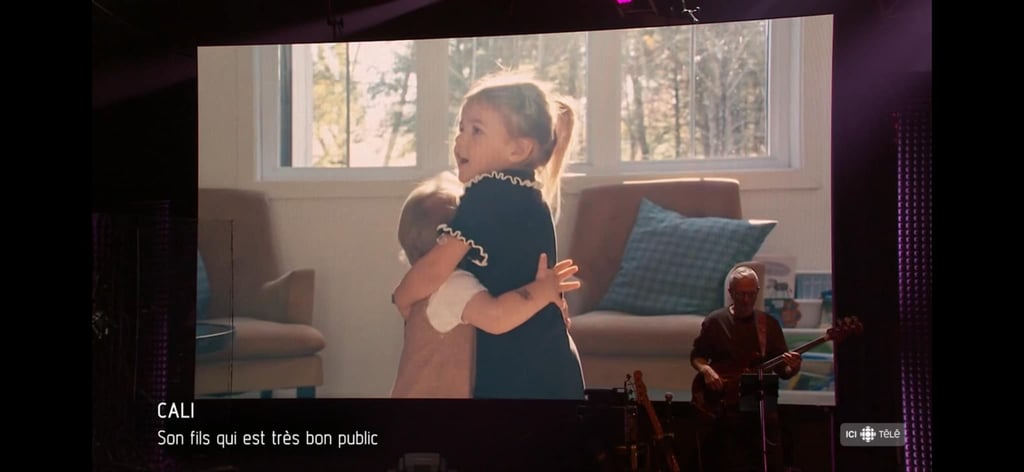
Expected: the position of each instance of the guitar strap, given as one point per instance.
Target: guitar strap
(762, 331)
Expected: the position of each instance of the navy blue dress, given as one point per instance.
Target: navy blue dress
(504, 219)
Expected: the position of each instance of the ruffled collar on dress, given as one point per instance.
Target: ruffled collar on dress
(523, 178)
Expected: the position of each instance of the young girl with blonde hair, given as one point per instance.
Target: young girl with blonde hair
(510, 152)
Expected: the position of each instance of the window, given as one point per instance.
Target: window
(558, 59)
(688, 98)
(694, 93)
(339, 124)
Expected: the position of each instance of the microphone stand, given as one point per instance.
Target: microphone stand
(669, 426)
(757, 393)
(631, 445)
(668, 410)
(761, 394)
(762, 406)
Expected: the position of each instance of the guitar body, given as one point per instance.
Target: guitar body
(712, 403)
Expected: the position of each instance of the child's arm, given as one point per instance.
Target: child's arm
(428, 273)
(499, 315)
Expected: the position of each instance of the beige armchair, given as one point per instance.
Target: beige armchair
(274, 344)
(612, 344)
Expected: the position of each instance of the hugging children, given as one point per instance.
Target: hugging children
(510, 151)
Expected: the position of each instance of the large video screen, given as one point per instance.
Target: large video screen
(308, 153)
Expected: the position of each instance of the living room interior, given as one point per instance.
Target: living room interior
(343, 231)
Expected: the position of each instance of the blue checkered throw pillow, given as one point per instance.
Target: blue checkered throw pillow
(677, 265)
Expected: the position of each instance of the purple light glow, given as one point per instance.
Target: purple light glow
(913, 130)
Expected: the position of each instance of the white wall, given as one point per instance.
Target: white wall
(346, 230)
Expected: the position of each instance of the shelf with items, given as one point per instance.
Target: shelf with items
(800, 313)
(812, 284)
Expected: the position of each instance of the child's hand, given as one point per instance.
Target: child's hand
(554, 282)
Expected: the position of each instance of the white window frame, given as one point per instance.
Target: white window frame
(602, 120)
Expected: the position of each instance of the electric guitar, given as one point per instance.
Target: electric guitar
(711, 403)
(659, 435)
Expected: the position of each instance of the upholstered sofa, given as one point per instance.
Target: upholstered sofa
(241, 284)
(612, 343)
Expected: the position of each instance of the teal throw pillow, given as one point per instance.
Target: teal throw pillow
(673, 264)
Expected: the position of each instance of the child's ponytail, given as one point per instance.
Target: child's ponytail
(551, 173)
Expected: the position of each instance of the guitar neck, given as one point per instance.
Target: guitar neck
(655, 423)
(659, 434)
(799, 350)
